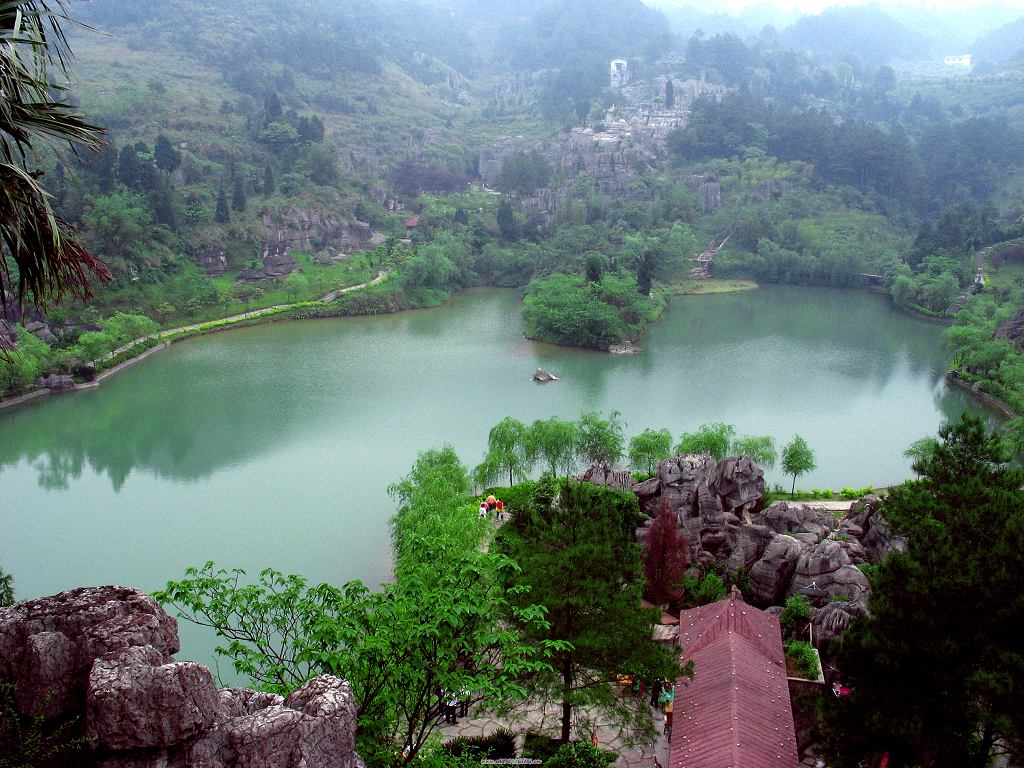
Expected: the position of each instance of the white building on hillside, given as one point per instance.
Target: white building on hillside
(619, 73)
(958, 61)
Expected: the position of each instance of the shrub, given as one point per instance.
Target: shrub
(580, 754)
(516, 497)
(540, 747)
(801, 659)
(797, 609)
(850, 494)
(495, 746)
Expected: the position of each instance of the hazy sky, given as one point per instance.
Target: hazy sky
(816, 6)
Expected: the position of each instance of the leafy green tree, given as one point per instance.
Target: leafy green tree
(222, 215)
(166, 157)
(95, 345)
(523, 172)
(441, 626)
(279, 136)
(322, 165)
(670, 94)
(506, 452)
(703, 590)
(430, 267)
(238, 200)
(565, 309)
(296, 284)
(600, 439)
(272, 110)
(48, 262)
(648, 448)
(920, 451)
(797, 459)
(553, 441)
(20, 367)
(122, 222)
(6, 589)
(268, 180)
(507, 221)
(594, 267)
(935, 669)
(715, 439)
(760, 449)
(124, 328)
(797, 609)
(574, 543)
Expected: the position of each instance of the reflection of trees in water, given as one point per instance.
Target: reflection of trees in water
(185, 426)
(849, 331)
(952, 402)
(217, 402)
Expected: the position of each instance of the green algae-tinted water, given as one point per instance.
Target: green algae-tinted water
(274, 446)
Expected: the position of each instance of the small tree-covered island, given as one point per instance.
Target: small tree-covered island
(781, 525)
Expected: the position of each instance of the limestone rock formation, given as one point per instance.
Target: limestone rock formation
(832, 619)
(601, 473)
(877, 539)
(787, 517)
(103, 657)
(739, 483)
(770, 576)
(135, 701)
(305, 230)
(48, 646)
(818, 565)
(750, 546)
(56, 382)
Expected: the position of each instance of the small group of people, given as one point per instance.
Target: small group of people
(492, 507)
(453, 706)
(663, 695)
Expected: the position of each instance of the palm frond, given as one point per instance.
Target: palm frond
(37, 248)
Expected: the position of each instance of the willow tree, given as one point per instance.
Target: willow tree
(506, 452)
(41, 259)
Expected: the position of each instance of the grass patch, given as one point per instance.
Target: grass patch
(692, 287)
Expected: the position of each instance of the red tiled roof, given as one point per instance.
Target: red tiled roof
(736, 712)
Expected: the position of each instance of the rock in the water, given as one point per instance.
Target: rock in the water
(626, 348)
(135, 701)
(541, 375)
(770, 576)
(48, 646)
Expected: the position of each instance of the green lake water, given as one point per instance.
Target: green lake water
(274, 445)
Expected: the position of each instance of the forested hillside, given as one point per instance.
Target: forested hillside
(267, 153)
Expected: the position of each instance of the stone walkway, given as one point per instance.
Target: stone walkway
(532, 716)
(251, 314)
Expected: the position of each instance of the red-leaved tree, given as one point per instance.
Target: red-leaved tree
(666, 555)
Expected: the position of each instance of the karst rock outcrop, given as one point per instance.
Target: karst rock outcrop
(782, 549)
(103, 656)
